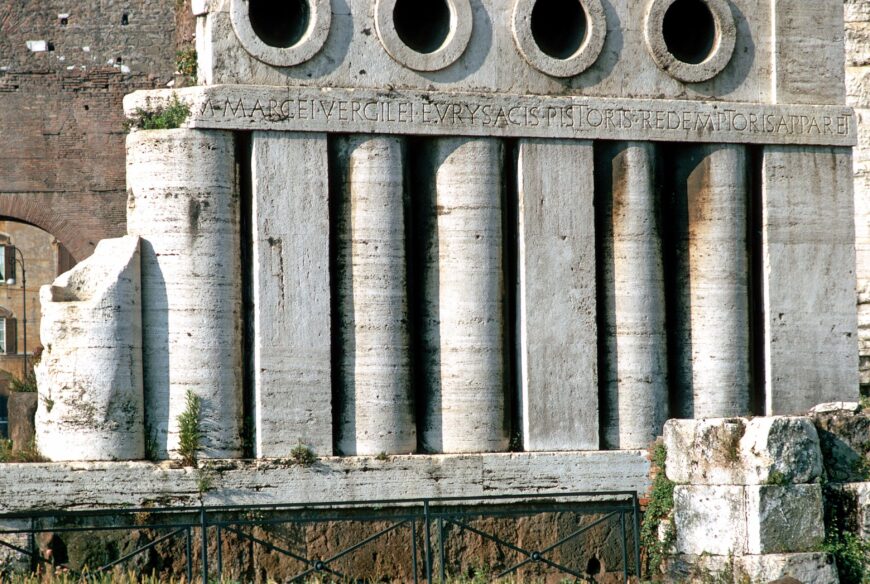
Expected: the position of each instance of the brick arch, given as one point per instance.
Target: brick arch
(68, 234)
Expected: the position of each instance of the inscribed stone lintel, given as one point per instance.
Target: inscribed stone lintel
(233, 107)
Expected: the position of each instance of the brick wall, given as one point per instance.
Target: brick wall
(858, 88)
(61, 120)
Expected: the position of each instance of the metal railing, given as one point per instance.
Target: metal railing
(427, 524)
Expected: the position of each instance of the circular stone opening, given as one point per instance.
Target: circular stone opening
(279, 23)
(423, 25)
(689, 31)
(559, 27)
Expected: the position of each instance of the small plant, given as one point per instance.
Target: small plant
(302, 455)
(189, 431)
(382, 456)
(851, 552)
(48, 403)
(185, 62)
(204, 480)
(777, 478)
(160, 118)
(25, 385)
(8, 453)
(661, 503)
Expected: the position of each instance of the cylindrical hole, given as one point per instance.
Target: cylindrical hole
(423, 25)
(279, 23)
(559, 27)
(689, 30)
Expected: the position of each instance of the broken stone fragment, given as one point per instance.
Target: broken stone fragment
(90, 376)
(743, 451)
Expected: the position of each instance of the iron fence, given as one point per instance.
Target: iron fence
(425, 526)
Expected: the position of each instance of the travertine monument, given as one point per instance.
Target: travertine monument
(503, 241)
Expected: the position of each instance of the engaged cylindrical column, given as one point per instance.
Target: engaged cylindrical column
(376, 410)
(183, 202)
(463, 312)
(712, 282)
(635, 368)
(90, 374)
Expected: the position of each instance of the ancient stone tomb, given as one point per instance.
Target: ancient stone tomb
(471, 226)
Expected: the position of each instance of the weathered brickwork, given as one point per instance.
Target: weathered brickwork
(61, 120)
(858, 87)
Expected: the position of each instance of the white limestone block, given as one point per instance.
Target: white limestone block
(811, 352)
(557, 309)
(636, 370)
(35, 486)
(808, 51)
(782, 519)
(182, 201)
(291, 293)
(710, 520)
(463, 286)
(742, 451)
(806, 568)
(376, 407)
(861, 494)
(90, 375)
(713, 282)
(491, 61)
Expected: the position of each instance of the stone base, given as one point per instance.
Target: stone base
(66, 486)
(807, 568)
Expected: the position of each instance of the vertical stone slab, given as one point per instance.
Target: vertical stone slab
(183, 203)
(90, 375)
(463, 287)
(376, 409)
(712, 282)
(811, 351)
(633, 296)
(809, 48)
(291, 295)
(557, 327)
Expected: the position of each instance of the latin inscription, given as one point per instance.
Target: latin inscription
(491, 116)
(513, 116)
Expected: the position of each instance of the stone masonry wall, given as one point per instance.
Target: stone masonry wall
(64, 69)
(857, 14)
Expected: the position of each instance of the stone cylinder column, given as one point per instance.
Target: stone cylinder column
(463, 297)
(376, 409)
(712, 281)
(635, 369)
(90, 373)
(182, 201)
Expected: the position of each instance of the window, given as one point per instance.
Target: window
(3, 262)
(4, 417)
(2, 335)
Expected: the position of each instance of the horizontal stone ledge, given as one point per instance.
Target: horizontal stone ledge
(80, 486)
(234, 107)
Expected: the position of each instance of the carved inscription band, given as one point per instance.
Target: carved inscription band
(588, 118)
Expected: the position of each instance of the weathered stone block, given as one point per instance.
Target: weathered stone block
(860, 494)
(710, 520)
(804, 568)
(740, 451)
(844, 436)
(90, 376)
(782, 519)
